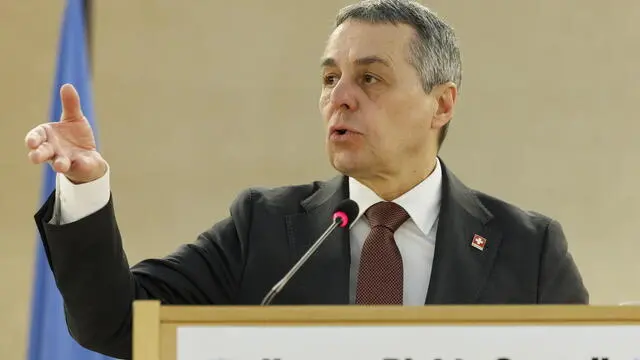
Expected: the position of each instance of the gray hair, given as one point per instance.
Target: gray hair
(434, 53)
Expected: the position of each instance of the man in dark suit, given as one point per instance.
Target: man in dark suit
(391, 72)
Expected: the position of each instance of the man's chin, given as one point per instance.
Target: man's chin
(346, 164)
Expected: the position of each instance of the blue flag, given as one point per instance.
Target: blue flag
(49, 338)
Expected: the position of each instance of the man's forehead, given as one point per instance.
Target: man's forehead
(354, 40)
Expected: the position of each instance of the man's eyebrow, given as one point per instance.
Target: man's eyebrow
(328, 62)
(367, 60)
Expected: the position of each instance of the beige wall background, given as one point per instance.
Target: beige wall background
(198, 100)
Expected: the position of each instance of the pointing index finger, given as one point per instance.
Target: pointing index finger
(71, 108)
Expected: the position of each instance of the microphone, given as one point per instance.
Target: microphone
(346, 211)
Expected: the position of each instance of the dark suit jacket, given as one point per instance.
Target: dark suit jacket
(240, 258)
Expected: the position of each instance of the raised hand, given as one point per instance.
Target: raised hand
(68, 145)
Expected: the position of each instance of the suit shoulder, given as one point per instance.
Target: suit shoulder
(280, 199)
(513, 216)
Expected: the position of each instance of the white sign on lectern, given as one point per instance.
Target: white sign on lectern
(420, 342)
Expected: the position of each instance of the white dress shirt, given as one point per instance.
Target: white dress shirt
(415, 238)
(76, 201)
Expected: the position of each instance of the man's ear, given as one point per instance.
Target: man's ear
(445, 96)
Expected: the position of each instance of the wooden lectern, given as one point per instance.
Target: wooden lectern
(564, 332)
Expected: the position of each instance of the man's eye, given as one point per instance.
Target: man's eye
(369, 79)
(330, 79)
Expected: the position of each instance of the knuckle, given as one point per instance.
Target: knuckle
(45, 128)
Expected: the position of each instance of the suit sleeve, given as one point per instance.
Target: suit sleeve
(560, 281)
(98, 286)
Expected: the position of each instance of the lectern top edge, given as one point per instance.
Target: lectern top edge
(508, 314)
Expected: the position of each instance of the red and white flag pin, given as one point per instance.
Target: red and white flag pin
(478, 242)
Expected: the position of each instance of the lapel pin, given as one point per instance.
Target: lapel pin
(478, 242)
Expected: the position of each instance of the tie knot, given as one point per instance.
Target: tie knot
(387, 214)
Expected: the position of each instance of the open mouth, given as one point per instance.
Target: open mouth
(342, 133)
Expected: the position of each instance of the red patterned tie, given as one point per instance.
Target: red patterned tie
(380, 278)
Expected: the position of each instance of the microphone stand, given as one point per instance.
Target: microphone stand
(280, 284)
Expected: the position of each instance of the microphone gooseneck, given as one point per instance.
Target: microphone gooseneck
(344, 213)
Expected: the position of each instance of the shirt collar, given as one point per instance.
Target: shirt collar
(422, 202)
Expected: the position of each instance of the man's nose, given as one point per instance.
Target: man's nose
(343, 95)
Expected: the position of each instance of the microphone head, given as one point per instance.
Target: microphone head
(346, 212)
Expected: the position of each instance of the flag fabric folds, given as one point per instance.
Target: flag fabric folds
(49, 338)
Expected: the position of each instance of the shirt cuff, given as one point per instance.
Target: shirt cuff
(76, 201)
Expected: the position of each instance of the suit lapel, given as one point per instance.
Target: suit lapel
(460, 270)
(324, 279)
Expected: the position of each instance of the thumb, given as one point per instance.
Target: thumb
(71, 108)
